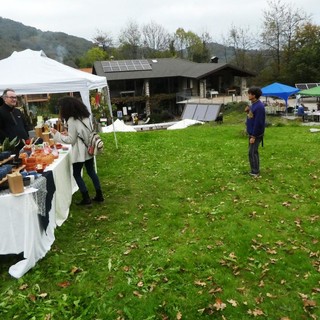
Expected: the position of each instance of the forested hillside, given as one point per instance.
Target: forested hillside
(15, 36)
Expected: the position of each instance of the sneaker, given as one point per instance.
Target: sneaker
(254, 175)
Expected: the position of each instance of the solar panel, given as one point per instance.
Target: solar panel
(189, 111)
(304, 86)
(125, 65)
(201, 112)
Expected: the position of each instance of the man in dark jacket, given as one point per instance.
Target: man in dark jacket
(256, 118)
(12, 121)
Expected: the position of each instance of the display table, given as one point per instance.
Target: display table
(312, 116)
(21, 229)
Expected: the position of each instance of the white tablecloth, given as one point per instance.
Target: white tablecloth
(20, 229)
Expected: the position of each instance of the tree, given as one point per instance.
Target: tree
(189, 45)
(130, 40)
(281, 21)
(92, 55)
(304, 65)
(102, 40)
(155, 37)
(202, 53)
(242, 43)
(156, 41)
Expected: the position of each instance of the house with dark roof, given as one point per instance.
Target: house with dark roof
(141, 85)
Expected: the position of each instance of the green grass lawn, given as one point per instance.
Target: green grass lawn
(186, 233)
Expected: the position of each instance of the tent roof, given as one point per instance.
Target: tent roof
(315, 92)
(279, 90)
(32, 72)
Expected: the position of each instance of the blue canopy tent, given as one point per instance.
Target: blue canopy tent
(279, 90)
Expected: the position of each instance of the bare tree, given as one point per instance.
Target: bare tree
(130, 40)
(155, 37)
(242, 42)
(102, 40)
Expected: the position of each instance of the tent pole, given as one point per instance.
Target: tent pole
(111, 114)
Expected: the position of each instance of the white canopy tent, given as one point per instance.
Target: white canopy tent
(32, 72)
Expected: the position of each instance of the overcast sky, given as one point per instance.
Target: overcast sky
(83, 18)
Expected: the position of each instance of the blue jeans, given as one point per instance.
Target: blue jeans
(254, 159)
(89, 165)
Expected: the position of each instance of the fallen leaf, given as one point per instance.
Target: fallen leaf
(179, 315)
(303, 296)
(286, 204)
(271, 251)
(75, 270)
(234, 303)
(102, 218)
(242, 289)
(140, 284)
(215, 290)
(137, 294)
(64, 284)
(200, 283)
(23, 286)
(32, 297)
(232, 256)
(309, 303)
(219, 305)
(256, 312)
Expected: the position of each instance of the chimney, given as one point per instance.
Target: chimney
(214, 59)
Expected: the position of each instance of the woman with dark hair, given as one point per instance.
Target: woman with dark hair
(75, 115)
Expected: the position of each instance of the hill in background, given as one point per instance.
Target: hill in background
(15, 36)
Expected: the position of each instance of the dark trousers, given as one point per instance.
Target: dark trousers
(89, 165)
(254, 159)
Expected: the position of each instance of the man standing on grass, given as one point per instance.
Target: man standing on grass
(256, 118)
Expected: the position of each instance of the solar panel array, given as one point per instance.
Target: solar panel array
(126, 65)
(305, 86)
(201, 112)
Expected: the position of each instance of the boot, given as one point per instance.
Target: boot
(85, 199)
(99, 197)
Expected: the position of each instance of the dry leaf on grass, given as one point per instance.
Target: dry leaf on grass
(64, 284)
(200, 283)
(234, 303)
(75, 270)
(255, 312)
(219, 305)
(137, 294)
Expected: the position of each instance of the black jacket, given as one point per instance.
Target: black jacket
(12, 124)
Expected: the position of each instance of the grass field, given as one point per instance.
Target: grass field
(186, 233)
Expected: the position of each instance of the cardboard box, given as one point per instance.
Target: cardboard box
(15, 182)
